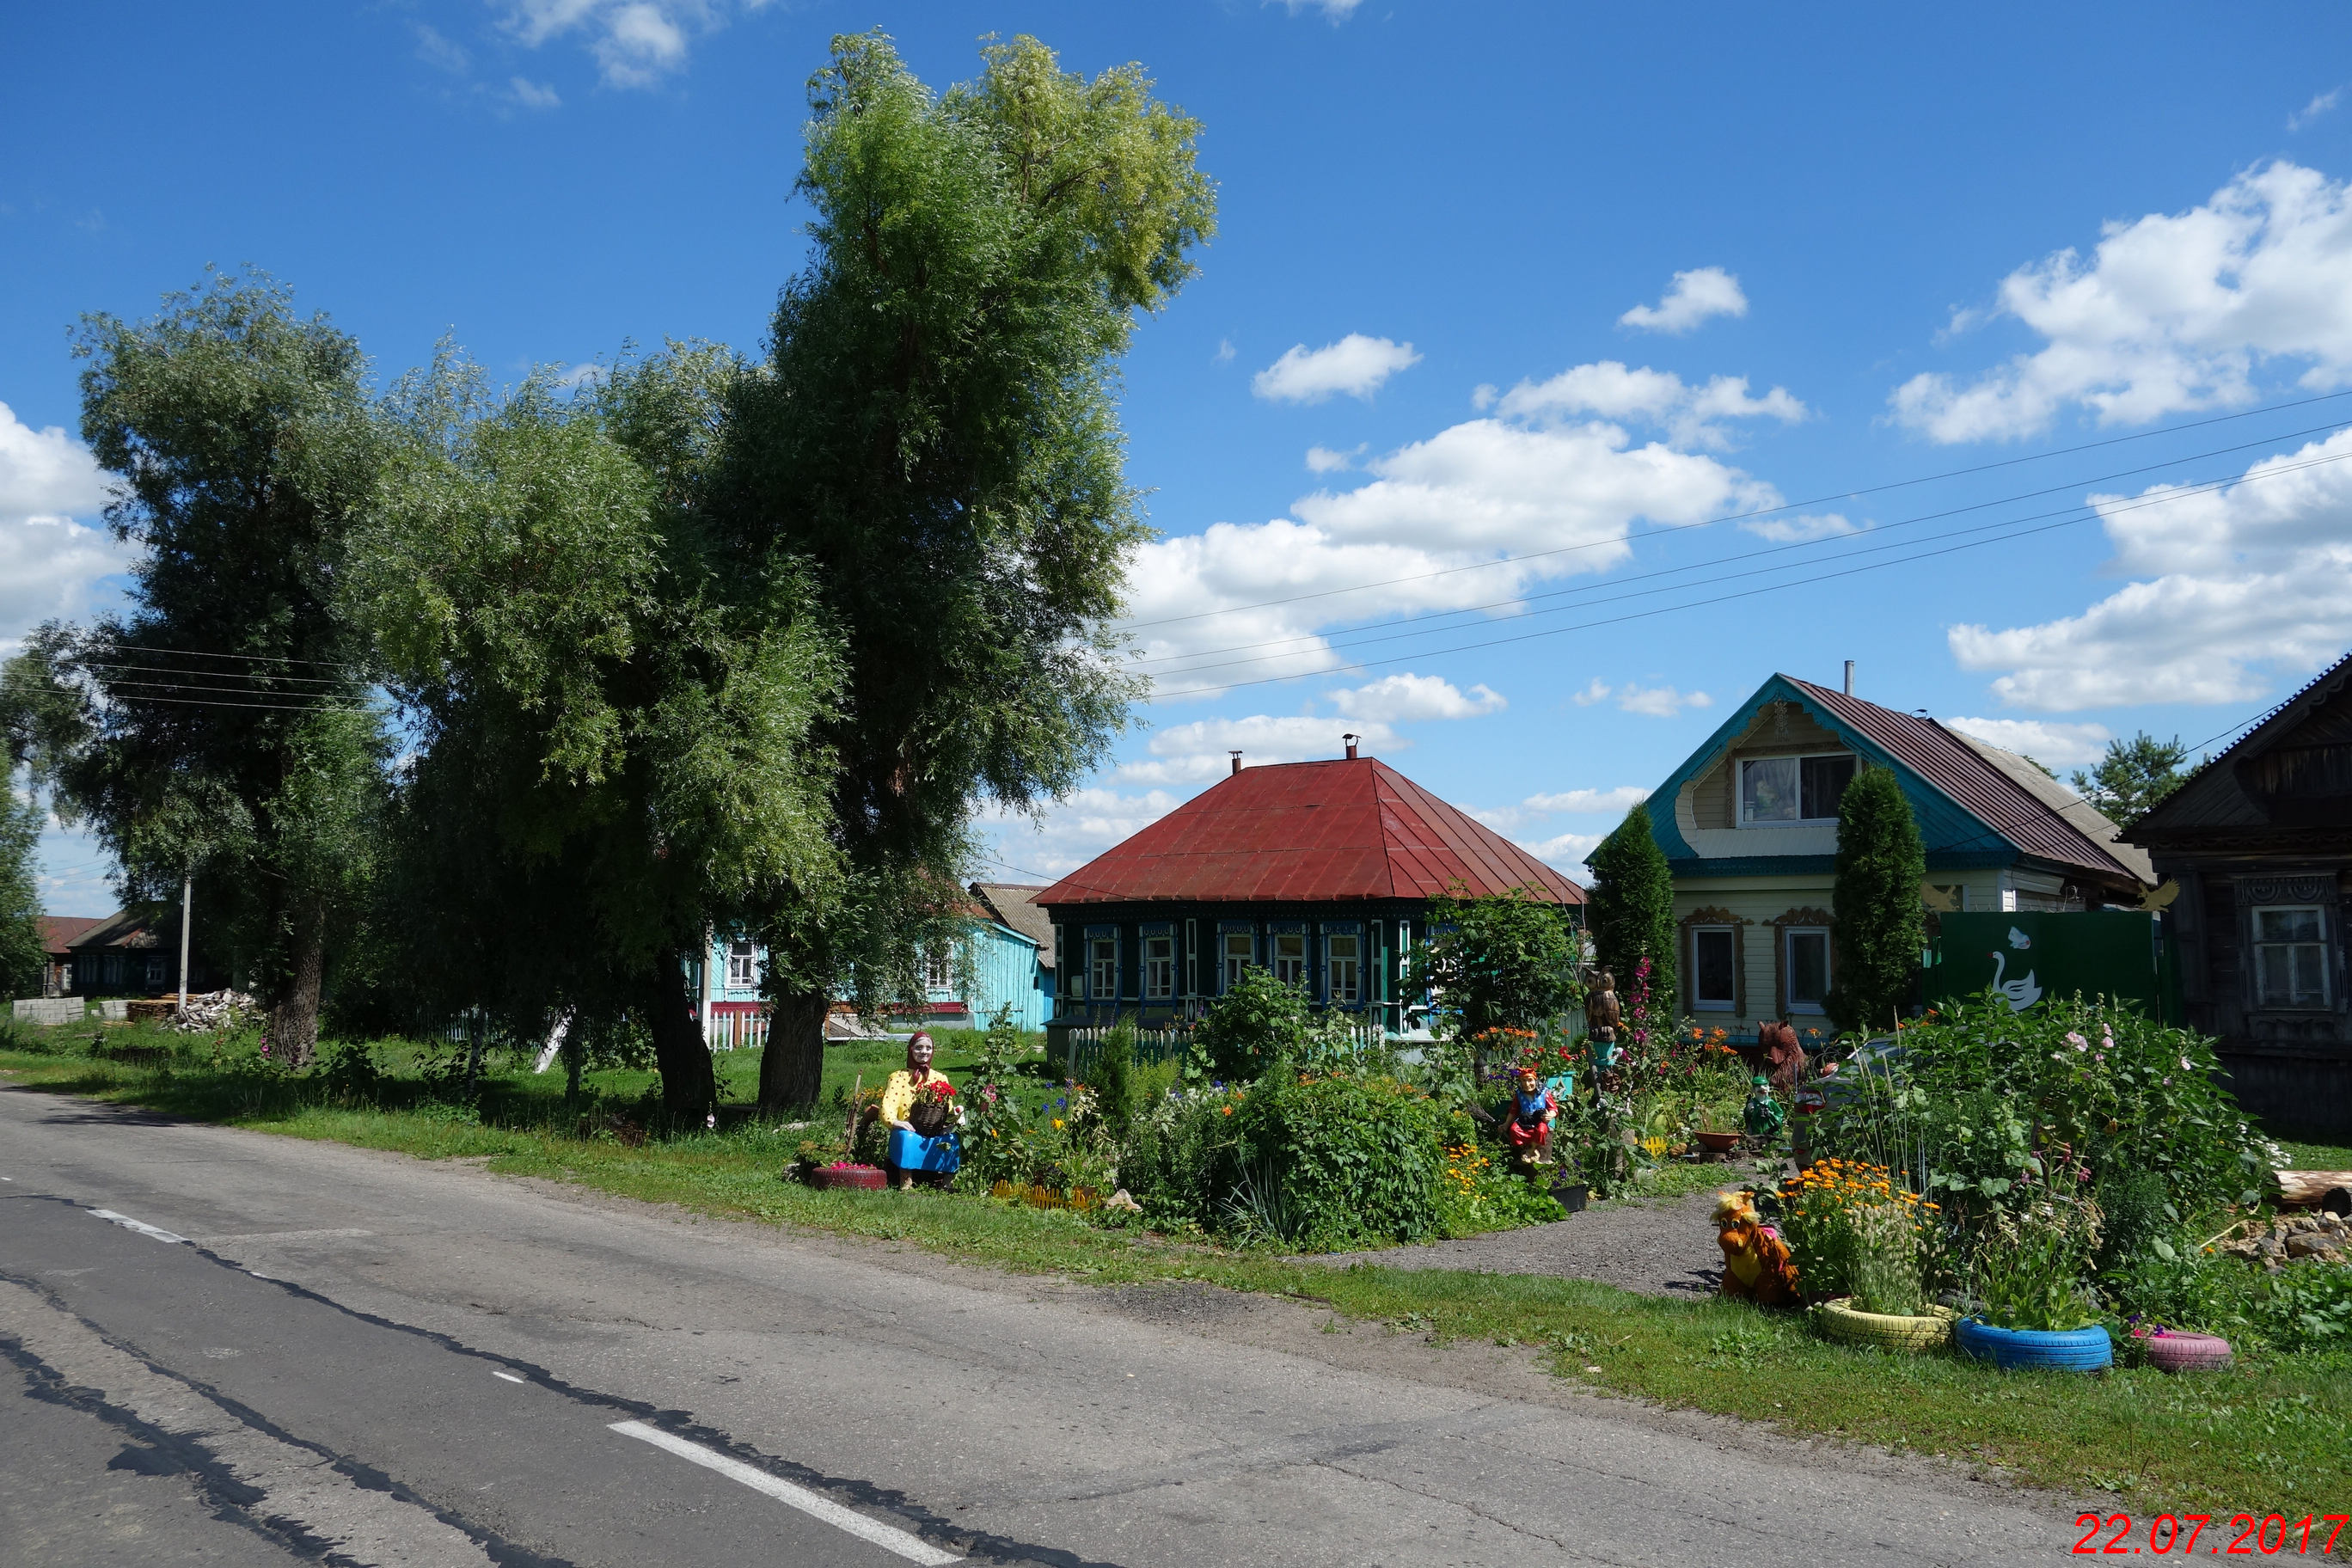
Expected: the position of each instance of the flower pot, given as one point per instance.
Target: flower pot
(1841, 1320)
(2178, 1352)
(1571, 1195)
(1717, 1142)
(2058, 1350)
(847, 1178)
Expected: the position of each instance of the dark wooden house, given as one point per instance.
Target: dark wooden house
(2260, 841)
(1320, 872)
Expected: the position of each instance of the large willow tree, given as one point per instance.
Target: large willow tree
(934, 441)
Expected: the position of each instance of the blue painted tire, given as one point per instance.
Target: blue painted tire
(2061, 1350)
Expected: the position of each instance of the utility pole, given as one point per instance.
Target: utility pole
(187, 886)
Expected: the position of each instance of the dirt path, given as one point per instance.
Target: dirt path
(1661, 1247)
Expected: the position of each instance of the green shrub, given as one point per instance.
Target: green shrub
(2027, 1265)
(351, 1075)
(1114, 1082)
(1356, 1158)
(1257, 1023)
(1184, 1157)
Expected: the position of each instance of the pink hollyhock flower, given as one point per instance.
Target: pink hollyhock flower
(2077, 1041)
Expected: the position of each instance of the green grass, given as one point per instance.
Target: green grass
(2275, 1435)
(2316, 1156)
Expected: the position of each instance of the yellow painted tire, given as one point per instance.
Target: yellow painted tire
(1840, 1320)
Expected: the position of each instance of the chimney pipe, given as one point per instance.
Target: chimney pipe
(1849, 678)
(1352, 740)
(1237, 761)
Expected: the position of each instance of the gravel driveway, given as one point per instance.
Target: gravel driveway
(1661, 1247)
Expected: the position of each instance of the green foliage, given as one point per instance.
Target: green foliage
(1257, 1022)
(2134, 776)
(1477, 1189)
(1881, 925)
(23, 955)
(2027, 1266)
(350, 1075)
(1632, 909)
(2304, 1306)
(934, 442)
(1114, 1075)
(1356, 1159)
(1507, 960)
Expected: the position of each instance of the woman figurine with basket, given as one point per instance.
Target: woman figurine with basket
(918, 1108)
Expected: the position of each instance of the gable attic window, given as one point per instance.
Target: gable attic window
(1790, 790)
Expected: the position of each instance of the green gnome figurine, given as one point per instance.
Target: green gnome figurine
(1762, 1116)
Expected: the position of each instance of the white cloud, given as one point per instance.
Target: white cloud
(1324, 460)
(1199, 751)
(534, 95)
(1656, 397)
(2172, 312)
(1073, 831)
(1797, 530)
(50, 564)
(1403, 698)
(636, 42)
(1225, 355)
(1334, 11)
(1694, 297)
(2233, 584)
(1485, 490)
(1355, 365)
(1661, 701)
(1566, 852)
(2318, 106)
(2053, 744)
(1595, 691)
(1617, 802)
(440, 52)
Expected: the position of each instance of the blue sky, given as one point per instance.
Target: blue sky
(1537, 290)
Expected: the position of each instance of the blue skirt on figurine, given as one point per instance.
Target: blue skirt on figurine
(913, 1151)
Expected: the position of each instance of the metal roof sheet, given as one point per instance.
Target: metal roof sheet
(1309, 832)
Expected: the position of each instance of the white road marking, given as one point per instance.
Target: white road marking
(508, 1375)
(140, 1226)
(888, 1537)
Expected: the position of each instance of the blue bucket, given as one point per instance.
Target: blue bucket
(2058, 1350)
(913, 1151)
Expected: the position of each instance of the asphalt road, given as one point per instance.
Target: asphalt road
(234, 1348)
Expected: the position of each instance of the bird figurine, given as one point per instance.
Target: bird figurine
(2020, 994)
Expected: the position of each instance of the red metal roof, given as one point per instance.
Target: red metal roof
(1309, 832)
(56, 931)
(1958, 769)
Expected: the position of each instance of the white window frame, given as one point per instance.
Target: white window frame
(1102, 967)
(1789, 935)
(2263, 950)
(1239, 952)
(742, 965)
(1700, 1004)
(1797, 761)
(1343, 969)
(1288, 968)
(1159, 969)
(939, 968)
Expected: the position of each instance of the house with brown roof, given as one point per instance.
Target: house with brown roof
(1748, 825)
(1320, 872)
(2259, 840)
(58, 932)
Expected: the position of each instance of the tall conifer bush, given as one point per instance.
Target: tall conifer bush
(1881, 925)
(1632, 907)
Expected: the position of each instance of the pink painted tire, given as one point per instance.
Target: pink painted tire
(2187, 1353)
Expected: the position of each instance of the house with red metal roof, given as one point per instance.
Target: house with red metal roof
(1748, 825)
(1320, 872)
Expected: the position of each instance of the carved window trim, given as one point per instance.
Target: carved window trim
(1803, 917)
(2275, 888)
(1715, 917)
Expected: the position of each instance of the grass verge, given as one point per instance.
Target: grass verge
(2272, 1436)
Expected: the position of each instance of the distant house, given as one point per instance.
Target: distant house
(2260, 842)
(1320, 872)
(1015, 905)
(1748, 825)
(132, 953)
(58, 932)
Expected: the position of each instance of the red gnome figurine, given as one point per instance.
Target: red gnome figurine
(1755, 1263)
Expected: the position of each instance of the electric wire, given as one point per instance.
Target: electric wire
(1786, 506)
(1319, 640)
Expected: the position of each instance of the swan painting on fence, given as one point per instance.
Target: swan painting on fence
(2020, 994)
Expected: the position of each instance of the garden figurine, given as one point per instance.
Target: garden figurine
(1527, 1119)
(1757, 1266)
(1763, 1116)
(1777, 1053)
(900, 1099)
(1602, 1015)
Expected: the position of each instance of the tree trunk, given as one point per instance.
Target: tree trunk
(689, 1089)
(294, 1021)
(792, 1066)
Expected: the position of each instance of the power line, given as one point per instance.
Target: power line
(1786, 506)
(123, 648)
(2067, 521)
(1319, 642)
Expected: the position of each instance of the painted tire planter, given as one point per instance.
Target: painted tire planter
(2055, 1350)
(2184, 1352)
(1841, 1320)
(847, 1178)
